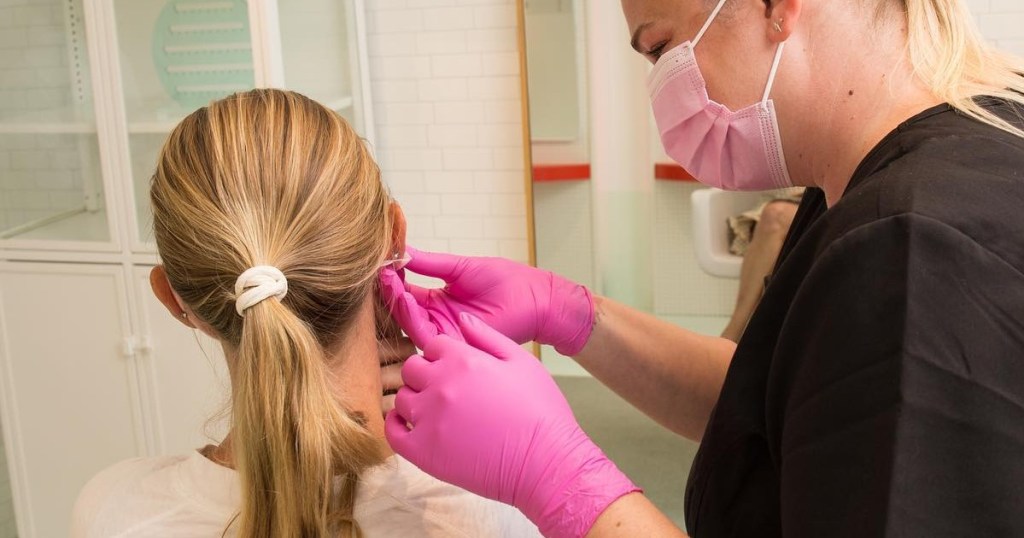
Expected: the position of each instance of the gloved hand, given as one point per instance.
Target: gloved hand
(522, 302)
(486, 416)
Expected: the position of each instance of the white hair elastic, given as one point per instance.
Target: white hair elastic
(257, 284)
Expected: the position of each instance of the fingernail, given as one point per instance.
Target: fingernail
(467, 318)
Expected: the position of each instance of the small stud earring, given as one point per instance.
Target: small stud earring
(777, 25)
(184, 315)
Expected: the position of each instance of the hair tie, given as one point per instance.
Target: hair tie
(257, 284)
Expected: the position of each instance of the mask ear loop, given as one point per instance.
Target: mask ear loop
(707, 24)
(772, 73)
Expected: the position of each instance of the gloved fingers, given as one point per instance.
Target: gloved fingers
(405, 405)
(485, 338)
(438, 346)
(398, 434)
(413, 319)
(447, 267)
(417, 373)
(391, 287)
(422, 295)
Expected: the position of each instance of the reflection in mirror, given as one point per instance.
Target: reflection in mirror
(602, 219)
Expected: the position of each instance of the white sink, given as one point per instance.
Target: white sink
(711, 211)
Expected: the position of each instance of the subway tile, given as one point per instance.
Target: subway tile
(505, 227)
(500, 181)
(509, 159)
(468, 158)
(474, 247)
(495, 16)
(420, 204)
(456, 65)
(470, 112)
(453, 136)
(450, 181)
(509, 111)
(493, 40)
(407, 113)
(514, 249)
(490, 88)
(1002, 25)
(441, 42)
(502, 63)
(443, 89)
(501, 135)
(466, 204)
(448, 18)
(386, 5)
(404, 181)
(410, 159)
(399, 67)
(396, 91)
(508, 205)
(402, 136)
(394, 21)
(459, 227)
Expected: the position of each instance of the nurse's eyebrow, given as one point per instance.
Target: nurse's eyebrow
(635, 42)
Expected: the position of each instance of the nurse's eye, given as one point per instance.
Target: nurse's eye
(656, 51)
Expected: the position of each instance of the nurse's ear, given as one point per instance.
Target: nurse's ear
(782, 16)
(173, 303)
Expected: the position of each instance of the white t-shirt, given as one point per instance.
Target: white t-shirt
(191, 496)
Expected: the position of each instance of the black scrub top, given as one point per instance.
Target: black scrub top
(879, 387)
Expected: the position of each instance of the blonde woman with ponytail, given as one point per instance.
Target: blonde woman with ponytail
(272, 223)
(878, 388)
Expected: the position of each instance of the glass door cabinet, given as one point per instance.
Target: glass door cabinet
(92, 369)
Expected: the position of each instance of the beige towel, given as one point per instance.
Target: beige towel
(741, 227)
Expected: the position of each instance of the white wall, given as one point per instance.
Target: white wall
(447, 105)
(1002, 22)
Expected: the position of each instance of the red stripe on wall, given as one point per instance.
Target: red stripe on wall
(581, 172)
(561, 172)
(671, 172)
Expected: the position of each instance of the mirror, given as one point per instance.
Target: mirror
(612, 212)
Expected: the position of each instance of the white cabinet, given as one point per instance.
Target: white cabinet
(70, 395)
(92, 369)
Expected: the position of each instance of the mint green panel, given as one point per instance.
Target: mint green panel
(202, 50)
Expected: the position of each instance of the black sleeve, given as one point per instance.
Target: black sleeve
(895, 405)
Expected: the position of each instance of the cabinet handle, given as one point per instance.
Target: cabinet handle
(134, 345)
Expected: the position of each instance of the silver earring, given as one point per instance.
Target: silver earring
(184, 315)
(777, 25)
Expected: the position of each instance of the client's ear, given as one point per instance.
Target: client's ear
(398, 227)
(163, 291)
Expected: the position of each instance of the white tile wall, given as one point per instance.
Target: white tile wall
(1002, 22)
(447, 101)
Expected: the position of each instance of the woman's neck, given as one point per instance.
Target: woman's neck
(353, 372)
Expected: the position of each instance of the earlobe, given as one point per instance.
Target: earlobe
(165, 294)
(782, 19)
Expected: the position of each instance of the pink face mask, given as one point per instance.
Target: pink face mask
(740, 151)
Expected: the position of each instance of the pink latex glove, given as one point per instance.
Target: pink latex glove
(486, 416)
(522, 302)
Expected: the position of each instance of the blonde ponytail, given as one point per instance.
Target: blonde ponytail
(952, 59)
(270, 177)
